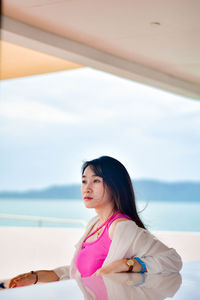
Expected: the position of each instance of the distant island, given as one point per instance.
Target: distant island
(146, 190)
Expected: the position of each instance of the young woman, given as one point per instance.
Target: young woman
(116, 239)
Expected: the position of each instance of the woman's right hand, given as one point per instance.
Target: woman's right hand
(22, 280)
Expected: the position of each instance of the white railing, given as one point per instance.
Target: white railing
(40, 220)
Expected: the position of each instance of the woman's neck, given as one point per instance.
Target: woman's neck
(105, 213)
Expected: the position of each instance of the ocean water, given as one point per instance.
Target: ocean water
(172, 216)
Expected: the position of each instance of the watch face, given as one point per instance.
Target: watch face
(130, 262)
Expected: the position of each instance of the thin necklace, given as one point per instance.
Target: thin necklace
(94, 232)
(101, 228)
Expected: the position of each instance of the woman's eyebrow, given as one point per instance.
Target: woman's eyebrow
(92, 175)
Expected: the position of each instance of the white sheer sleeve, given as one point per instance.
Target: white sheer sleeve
(129, 240)
(157, 257)
(62, 272)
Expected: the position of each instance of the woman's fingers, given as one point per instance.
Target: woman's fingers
(13, 283)
(21, 280)
(100, 272)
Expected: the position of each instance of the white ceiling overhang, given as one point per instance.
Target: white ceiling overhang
(150, 41)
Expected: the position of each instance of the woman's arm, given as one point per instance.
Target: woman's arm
(33, 278)
(119, 266)
(131, 241)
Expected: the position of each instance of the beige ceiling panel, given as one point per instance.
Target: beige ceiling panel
(17, 61)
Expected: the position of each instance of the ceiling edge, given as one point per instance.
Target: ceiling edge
(21, 34)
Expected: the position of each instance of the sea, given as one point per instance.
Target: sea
(163, 216)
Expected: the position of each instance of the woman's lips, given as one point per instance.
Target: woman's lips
(88, 198)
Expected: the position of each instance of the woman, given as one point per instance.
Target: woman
(116, 239)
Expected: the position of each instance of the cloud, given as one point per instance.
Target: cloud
(35, 111)
(50, 123)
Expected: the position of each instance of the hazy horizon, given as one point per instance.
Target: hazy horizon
(79, 183)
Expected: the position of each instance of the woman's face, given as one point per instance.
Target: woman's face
(94, 192)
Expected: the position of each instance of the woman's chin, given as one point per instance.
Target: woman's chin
(88, 204)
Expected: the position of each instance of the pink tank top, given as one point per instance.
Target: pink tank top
(92, 254)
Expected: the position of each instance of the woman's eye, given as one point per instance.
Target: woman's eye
(83, 181)
(96, 180)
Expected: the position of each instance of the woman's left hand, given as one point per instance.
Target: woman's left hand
(117, 266)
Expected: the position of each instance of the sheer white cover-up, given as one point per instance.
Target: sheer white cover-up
(128, 241)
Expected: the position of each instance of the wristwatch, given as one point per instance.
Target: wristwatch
(130, 263)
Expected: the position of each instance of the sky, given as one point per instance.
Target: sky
(50, 124)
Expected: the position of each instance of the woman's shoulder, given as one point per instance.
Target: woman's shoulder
(115, 222)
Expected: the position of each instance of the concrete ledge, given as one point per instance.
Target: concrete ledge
(25, 248)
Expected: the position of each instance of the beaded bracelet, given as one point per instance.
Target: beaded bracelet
(36, 274)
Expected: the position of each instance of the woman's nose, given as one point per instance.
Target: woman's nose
(88, 187)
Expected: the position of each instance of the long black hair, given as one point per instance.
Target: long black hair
(116, 177)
